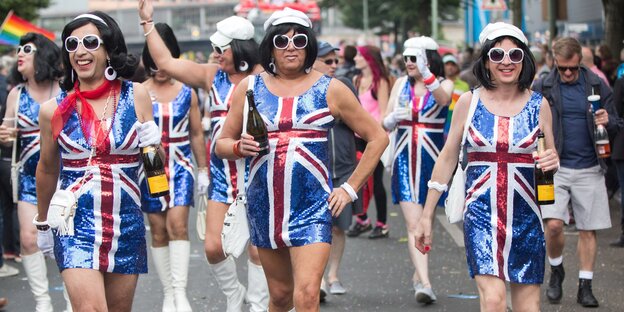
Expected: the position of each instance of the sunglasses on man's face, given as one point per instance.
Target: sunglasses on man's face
(28, 49)
(299, 41)
(497, 55)
(563, 69)
(330, 62)
(409, 59)
(89, 42)
(220, 50)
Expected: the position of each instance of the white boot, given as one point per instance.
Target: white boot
(179, 255)
(37, 274)
(225, 273)
(160, 255)
(257, 288)
(67, 301)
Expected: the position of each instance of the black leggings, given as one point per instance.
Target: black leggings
(379, 189)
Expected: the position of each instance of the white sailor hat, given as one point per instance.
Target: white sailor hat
(412, 45)
(500, 29)
(288, 15)
(233, 27)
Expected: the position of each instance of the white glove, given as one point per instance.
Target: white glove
(45, 242)
(202, 182)
(392, 119)
(421, 62)
(205, 122)
(149, 134)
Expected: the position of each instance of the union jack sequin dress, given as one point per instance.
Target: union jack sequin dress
(503, 229)
(173, 120)
(109, 230)
(288, 188)
(222, 171)
(28, 124)
(417, 145)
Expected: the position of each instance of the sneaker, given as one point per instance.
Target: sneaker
(7, 270)
(379, 232)
(323, 292)
(425, 295)
(336, 288)
(359, 228)
(417, 286)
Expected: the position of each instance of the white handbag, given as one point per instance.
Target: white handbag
(235, 232)
(15, 164)
(200, 225)
(63, 206)
(455, 203)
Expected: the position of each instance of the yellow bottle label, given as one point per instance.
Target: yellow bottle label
(546, 192)
(158, 184)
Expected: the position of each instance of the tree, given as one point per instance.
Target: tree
(26, 9)
(614, 24)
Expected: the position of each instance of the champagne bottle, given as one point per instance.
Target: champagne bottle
(157, 182)
(256, 126)
(544, 181)
(602, 142)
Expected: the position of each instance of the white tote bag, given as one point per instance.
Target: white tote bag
(235, 233)
(455, 203)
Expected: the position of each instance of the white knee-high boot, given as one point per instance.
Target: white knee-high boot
(37, 274)
(257, 288)
(179, 255)
(160, 255)
(225, 273)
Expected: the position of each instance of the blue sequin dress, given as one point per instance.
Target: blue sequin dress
(28, 125)
(289, 187)
(109, 229)
(173, 120)
(417, 144)
(222, 171)
(503, 229)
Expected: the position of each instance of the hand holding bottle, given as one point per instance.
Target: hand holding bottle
(149, 134)
(547, 160)
(601, 117)
(247, 146)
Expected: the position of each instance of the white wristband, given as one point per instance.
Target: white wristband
(39, 223)
(349, 189)
(434, 85)
(437, 186)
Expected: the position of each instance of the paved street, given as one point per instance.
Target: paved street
(376, 273)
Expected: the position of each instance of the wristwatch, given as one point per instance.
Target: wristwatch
(40, 225)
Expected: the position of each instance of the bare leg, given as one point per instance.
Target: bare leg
(492, 293)
(525, 298)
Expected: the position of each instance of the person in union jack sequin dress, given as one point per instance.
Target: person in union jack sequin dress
(91, 136)
(237, 55)
(37, 70)
(289, 193)
(417, 111)
(503, 231)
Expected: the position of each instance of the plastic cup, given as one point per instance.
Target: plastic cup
(10, 123)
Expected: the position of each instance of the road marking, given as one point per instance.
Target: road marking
(453, 230)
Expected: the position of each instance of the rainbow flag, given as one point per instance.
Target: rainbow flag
(15, 27)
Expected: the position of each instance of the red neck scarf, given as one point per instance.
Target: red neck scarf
(86, 114)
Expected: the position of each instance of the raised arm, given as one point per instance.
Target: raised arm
(48, 167)
(188, 72)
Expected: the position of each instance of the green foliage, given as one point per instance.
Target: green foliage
(26, 9)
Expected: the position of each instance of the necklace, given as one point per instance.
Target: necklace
(103, 130)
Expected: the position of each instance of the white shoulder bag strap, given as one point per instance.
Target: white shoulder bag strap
(471, 110)
(17, 105)
(240, 163)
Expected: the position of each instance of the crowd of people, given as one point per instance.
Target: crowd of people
(338, 119)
